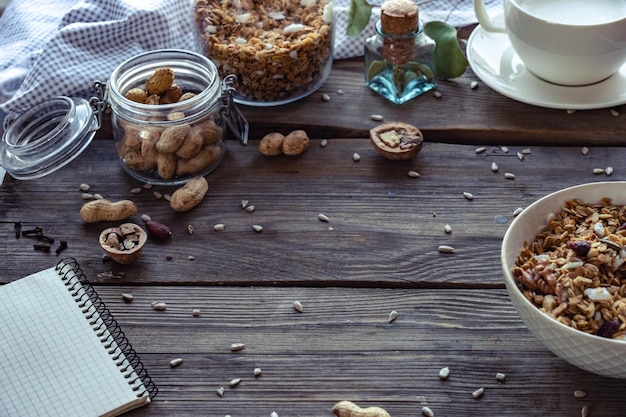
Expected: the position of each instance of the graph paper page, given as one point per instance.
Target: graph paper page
(51, 360)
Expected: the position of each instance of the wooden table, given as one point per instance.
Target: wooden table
(376, 254)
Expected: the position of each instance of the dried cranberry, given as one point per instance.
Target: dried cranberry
(581, 247)
(608, 328)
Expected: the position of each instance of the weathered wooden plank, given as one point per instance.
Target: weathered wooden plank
(342, 347)
(386, 226)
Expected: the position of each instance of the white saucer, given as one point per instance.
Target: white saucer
(493, 60)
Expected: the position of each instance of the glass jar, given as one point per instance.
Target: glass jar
(170, 113)
(400, 65)
(280, 50)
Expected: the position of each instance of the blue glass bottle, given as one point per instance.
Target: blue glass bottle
(399, 58)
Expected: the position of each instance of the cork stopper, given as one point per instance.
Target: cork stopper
(399, 17)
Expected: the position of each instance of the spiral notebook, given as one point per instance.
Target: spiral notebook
(61, 351)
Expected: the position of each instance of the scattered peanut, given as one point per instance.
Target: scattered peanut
(350, 409)
(189, 195)
(105, 210)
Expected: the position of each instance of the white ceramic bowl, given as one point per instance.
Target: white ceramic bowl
(592, 353)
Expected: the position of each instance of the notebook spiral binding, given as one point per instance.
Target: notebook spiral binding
(106, 327)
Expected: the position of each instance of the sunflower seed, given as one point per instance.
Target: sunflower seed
(250, 208)
(146, 217)
(325, 97)
(323, 143)
(580, 393)
(195, 312)
(494, 167)
(298, 306)
(175, 362)
(237, 346)
(468, 196)
(447, 228)
(157, 195)
(159, 306)
(147, 186)
(478, 393)
(517, 211)
(445, 249)
(500, 376)
(258, 372)
(520, 156)
(437, 94)
(135, 190)
(244, 203)
(87, 196)
(392, 316)
(474, 85)
(504, 149)
(377, 117)
(127, 297)
(356, 157)
(598, 171)
(571, 111)
(414, 174)
(608, 171)
(584, 412)
(614, 112)
(444, 373)
(220, 391)
(322, 217)
(427, 412)
(257, 228)
(219, 227)
(584, 150)
(234, 382)
(509, 176)
(84, 187)
(526, 151)
(480, 150)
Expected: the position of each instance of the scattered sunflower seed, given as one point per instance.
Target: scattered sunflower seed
(504, 149)
(219, 227)
(584, 412)
(356, 157)
(323, 217)
(445, 249)
(444, 373)
(167, 197)
(614, 112)
(608, 171)
(234, 382)
(190, 229)
(520, 156)
(517, 211)
(98, 196)
(494, 167)
(584, 150)
(258, 372)
(84, 187)
(414, 174)
(427, 412)
(159, 306)
(157, 195)
(468, 196)
(250, 208)
(147, 186)
(146, 217)
(437, 94)
(526, 151)
(127, 297)
(273, 414)
(136, 190)
(340, 92)
(87, 196)
(220, 391)
(580, 393)
(571, 111)
(244, 203)
(191, 258)
(447, 228)
(392, 316)
(175, 362)
(298, 306)
(598, 171)
(377, 117)
(325, 97)
(474, 85)
(324, 143)
(257, 228)
(480, 150)
(195, 312)
(237, 346)
(509, 176)
(500, 376)
(478, 393)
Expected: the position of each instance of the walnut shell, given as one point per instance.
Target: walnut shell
(113, 237)
(397, 140)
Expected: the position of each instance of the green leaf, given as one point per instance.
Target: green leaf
(359, 14)
(450, 62)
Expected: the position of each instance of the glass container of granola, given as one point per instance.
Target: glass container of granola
(280, 50)
(170, 115)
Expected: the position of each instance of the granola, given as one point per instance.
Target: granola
(575, 270)
(278, 48)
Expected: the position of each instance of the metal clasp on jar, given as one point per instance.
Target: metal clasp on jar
(234, 119)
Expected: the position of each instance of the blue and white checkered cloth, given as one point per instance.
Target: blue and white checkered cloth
(51, 48)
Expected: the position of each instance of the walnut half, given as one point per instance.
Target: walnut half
(397, 140)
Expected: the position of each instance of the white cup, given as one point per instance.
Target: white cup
(566, 42)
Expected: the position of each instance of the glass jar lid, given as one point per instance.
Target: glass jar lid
(48, 136)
